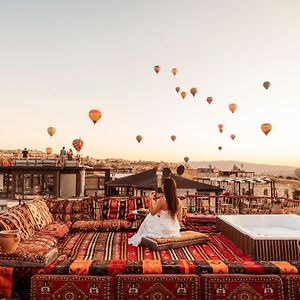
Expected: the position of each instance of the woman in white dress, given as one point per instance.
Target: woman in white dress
(164, 217)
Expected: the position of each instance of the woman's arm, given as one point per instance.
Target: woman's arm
(179, 213)
(155, 207)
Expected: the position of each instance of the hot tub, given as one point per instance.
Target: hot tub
(263, 237)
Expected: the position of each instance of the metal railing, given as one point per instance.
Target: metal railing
(232, 204)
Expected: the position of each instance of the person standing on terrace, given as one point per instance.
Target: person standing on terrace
(164, 217)
(70, 154)
(63, 154)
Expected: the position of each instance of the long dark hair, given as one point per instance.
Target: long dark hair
(169, 186)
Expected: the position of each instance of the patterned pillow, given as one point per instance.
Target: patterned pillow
(23, 215)
(105, 208)
(186, 238)
(131, 206)
(71, 209)
(135, 204)
(39, 221)
(97, 209)
(58, 230)
(11, 221)
(100, 225)
(6, 223)
(44, 210)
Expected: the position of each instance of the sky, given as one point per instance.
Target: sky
(59, 59)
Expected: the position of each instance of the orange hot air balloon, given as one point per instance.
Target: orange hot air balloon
(95, 115)
(194, 91)
(174, 71)
(266, 84)
(186, 159)
(209, 100)
(220, 148)
(183, 94)
(51, 131)
(177, 89)
(266, 128)
(139, 138)
(157, 69)
(232, 136)
(173, 138)
(232, 107)
(49, 150)
(77, 144)
(220, 126)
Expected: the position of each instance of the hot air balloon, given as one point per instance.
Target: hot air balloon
(297, 173)
(139, 138)
(49, 150)
(209, 100)
(186, 159)
(177, 89)
(174, 71)
(51, 131)
(266, 128)
(77, 144)
(157, 69)
(220, 126)
(220, 148)
(266, 84)
(232, 107)
(232, 136)
(95, 115)
(194, 91)
(183, 94)
(173, 138)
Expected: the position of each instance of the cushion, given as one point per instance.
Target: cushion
(157, 286)
(38, 220)
(187, 238)
(37, 251)
(44, 286)
(292, 286)
(15, 219)
(44, 210)
(135, 203)
(56, 229)
(241, 286)
(100, 225)
(66, 210)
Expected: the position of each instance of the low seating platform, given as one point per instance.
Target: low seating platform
(90, 243)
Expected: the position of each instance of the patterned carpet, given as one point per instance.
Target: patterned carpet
(114, 246)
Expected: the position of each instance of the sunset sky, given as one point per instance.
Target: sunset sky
(59, 59)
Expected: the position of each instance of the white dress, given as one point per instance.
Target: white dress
(161, 225)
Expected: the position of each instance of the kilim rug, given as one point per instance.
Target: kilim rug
(239, 287)
(146, 287)
(114, 246)
(71, 287)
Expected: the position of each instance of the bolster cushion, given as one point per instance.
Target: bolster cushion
(187, 238)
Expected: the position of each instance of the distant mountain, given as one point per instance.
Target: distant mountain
(259, 169)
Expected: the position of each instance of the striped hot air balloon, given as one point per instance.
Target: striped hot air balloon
(77, 144)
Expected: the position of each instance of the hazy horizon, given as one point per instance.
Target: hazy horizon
(61, 59)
